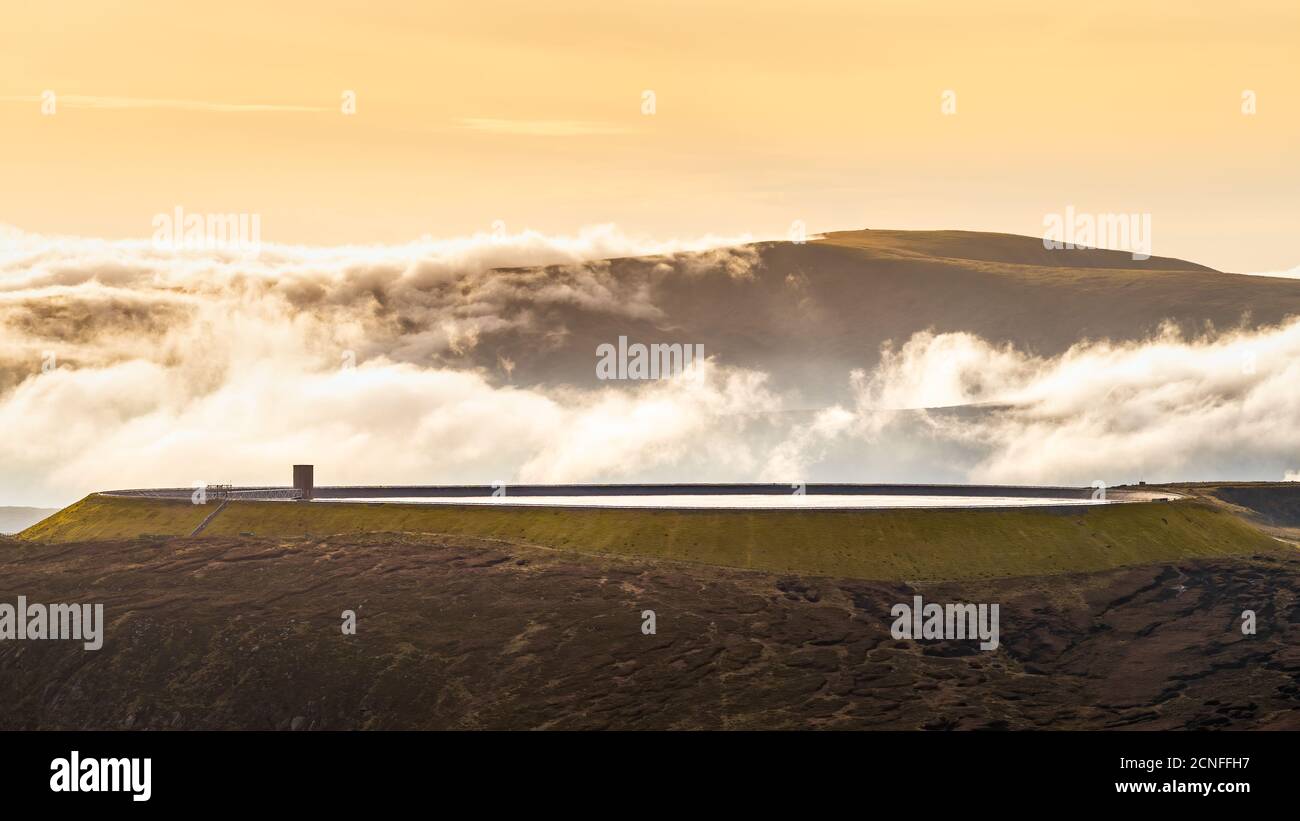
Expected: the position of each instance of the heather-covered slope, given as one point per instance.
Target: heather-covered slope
(223, 633)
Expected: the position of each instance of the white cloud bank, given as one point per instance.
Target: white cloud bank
(125, 366)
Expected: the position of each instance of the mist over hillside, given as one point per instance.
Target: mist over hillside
(807, 314)
(858, 356)
(15, 519)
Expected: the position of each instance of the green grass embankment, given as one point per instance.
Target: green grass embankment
(98, 517)
(911, 544)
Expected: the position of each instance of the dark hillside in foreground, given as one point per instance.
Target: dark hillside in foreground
(460, 633)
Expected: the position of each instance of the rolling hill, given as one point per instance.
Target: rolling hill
(835, 300)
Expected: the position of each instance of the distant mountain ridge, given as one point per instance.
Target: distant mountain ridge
(809, 313)
(15, 519)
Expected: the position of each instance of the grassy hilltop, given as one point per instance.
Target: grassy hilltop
(912, 544)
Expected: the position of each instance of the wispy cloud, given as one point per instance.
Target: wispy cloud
(543, 128)
(109, 102)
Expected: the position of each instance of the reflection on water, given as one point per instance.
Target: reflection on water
(740, 501)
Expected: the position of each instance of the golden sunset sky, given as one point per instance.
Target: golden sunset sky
(766, 113)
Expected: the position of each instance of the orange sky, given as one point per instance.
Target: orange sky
(530, 113)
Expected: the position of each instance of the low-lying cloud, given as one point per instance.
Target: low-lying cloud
(1166, 409)
(126, 366)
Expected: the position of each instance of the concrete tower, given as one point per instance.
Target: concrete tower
(303, 480)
